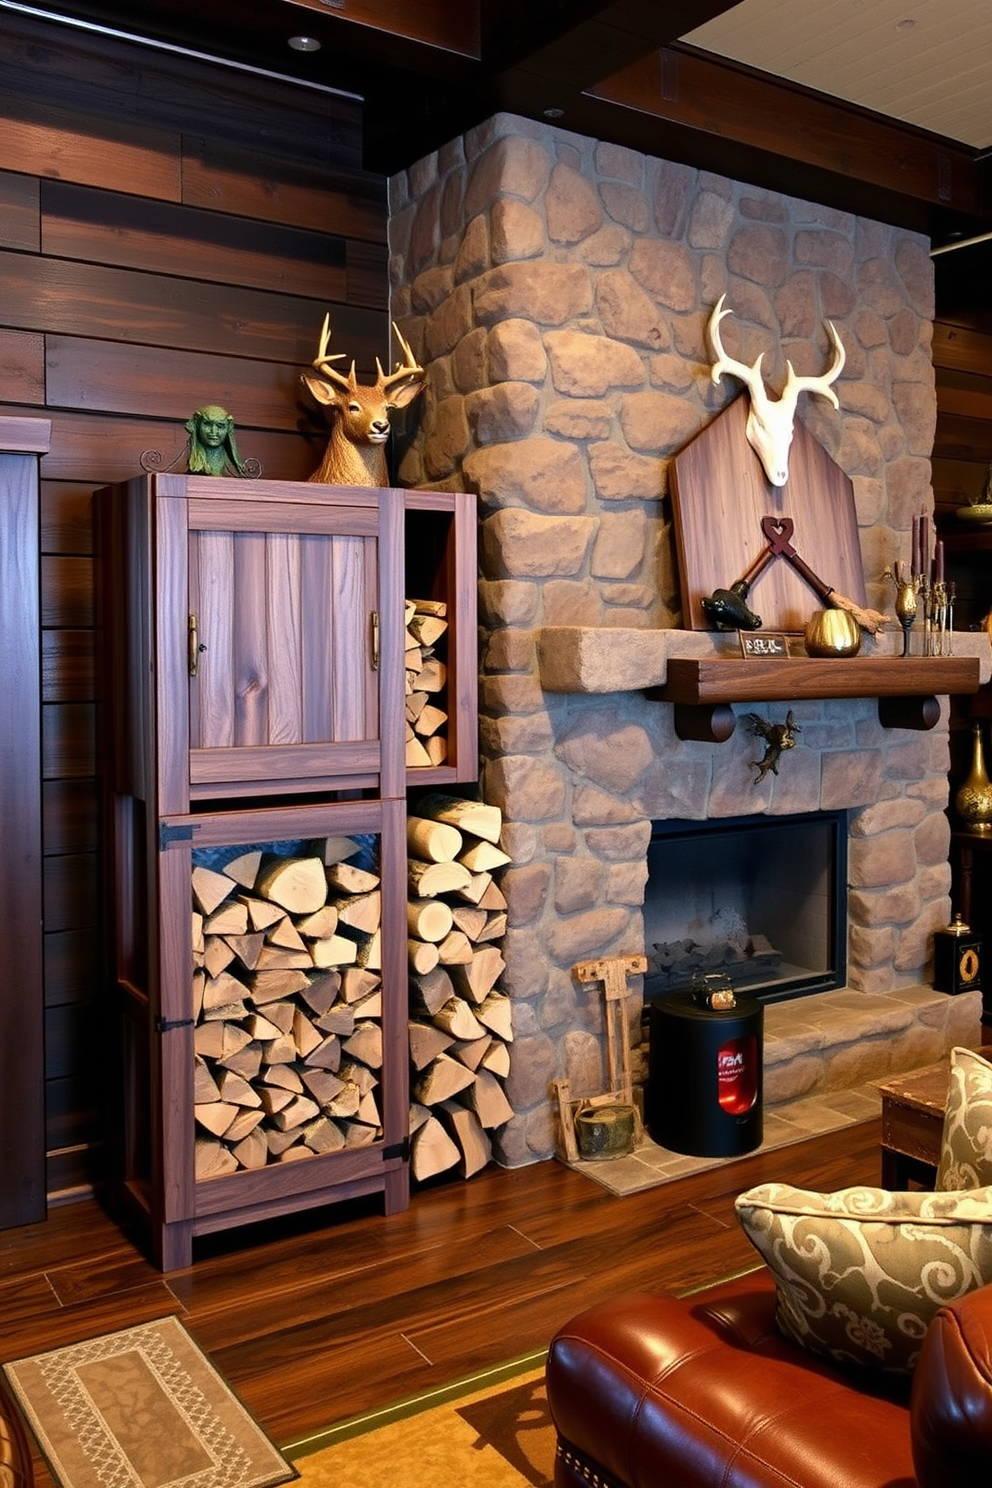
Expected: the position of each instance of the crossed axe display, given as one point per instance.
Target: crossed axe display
(728, 608)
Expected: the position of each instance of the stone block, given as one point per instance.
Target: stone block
(620, 545)
(667, 271)
(605, 248)
(525, 788)
(588, 366)
(572, 208)
(657, 421)
(516, 352)
(591, 932)
(579, 418)
(507, 411)
(619, 475)
(627, 313)
(515, 231)
(533, 1068)
(625, 204)
(606, 749)
(508, 602)
(572, 602)
(526, 890)
(579, 884)
(513, 165)
(543, 474)
(548, 293)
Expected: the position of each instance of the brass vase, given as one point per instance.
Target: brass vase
(974, 799)
(832, 633)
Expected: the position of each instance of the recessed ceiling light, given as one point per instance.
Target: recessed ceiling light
(553, 113)
(304, 43)
(906, 25)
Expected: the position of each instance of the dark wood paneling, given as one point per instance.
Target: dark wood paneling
(44, 140)
(66, 517)
(68, 741)
(82, 299)
(156, 383)
(73, 966)
(71, 892)
(230, 180)
(66, 591)
(22, 364)
(129, 232)
(68, 663)
(70, 815)
(20, 212)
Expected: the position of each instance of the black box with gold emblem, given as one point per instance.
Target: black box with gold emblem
(957, 959)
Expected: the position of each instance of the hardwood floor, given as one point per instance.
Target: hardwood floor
(319, 1318)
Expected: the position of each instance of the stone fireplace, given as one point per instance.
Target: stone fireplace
(558, 289)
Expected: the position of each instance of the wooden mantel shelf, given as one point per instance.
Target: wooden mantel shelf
(697, 680)
(703, 673)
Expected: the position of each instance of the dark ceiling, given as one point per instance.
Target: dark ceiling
(427, 70)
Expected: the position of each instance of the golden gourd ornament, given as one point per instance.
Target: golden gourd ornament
(832, 633)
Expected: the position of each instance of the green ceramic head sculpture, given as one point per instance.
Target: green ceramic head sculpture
(212, 450)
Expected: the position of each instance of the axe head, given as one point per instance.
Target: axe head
(728, 608)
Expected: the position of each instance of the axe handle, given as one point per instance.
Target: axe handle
(819, 588)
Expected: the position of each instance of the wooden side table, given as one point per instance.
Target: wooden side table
(913, 1123)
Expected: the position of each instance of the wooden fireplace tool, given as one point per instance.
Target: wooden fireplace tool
(613, 973)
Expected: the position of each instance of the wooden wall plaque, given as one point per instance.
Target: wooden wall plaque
(720, 494)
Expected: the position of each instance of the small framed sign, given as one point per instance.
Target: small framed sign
(764, 645)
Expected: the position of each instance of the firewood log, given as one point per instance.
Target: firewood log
(431, 1150)
(359, 1075)
(432, 991)
(247, 947)
(279, 1142)
(244, 869)
(323, 1135)
(475, 817)
(297, 884)
(483, 857)
(205, 1087)
(437, 748)
(298, 1110)
(422, 955)
(213, 1159)
(196, 932)
(346, 1102)
(252, 1151)
(432, 841)
(359, 1135)
(443, 1078)
(493, 897)
(285, 934)
(215, 1116)
(426, 880)
(418, 1116)
(416, 757)
(414, 702)
(261, 1029)
(245, 1062)
(230, 918)
(199, 982)
(217, 955)
(227, 1012)
(365, 1044)
(361, 911)
(497, 1058)
(357, 982)
(275, 986)
(496, 1014)
(285, 1076)
(322, 1084)
(368, 1110)
(337, 950)
(427, 1041)
(466, 1130)
(281, 1014)
(348, 879)
(337, 849)
(427, 630)
(246, 1121)
(368, 1007)
(369, 951)
(322, 992)
(306, 1036)
(339, 1019)
(429, 607)
(477, 887)
(274, 1098)
(475, 979)
(428, 919)
(237, 1091)
(458, 1019)
(273, 958)
(455, 949)
(222, 991)
(327, 1054)
(261, 914)
(494, 928)
(428, 721)
(470, 919)
(210, 889)
(432, 676)
(487, 1098)
(321, 924)
(471, 1052)
(281, 1050)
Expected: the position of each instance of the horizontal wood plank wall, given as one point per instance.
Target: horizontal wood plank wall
(171, 234)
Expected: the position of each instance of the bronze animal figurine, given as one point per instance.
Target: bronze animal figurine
(356, 450)
(778, 737)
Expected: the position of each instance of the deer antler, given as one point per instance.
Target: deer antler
(405, 371)
(322, 361)
(795, 385)
(750, 376)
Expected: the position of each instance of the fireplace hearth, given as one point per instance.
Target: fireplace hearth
(762, 900)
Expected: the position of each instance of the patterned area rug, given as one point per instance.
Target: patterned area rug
(491, 1431)
(143, 1408)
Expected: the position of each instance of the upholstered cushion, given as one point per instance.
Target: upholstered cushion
(966, 1145)
(860, 1273)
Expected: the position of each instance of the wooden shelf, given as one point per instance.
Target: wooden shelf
(703, 681)
(907, 688)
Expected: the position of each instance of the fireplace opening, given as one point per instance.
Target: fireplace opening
(762, 900)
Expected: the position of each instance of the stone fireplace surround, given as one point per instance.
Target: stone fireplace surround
(557, 289)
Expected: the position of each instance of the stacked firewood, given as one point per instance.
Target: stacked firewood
(426, 678)
(460, 1025)
(287, 1006)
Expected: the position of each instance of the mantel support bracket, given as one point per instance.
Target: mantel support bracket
(714, 723)
(920, 713)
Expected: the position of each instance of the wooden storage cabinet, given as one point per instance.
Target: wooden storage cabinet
(254, 696)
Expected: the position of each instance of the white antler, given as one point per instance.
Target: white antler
(771, 422)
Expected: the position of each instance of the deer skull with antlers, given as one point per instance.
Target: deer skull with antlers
(356, 453)
(771, 422)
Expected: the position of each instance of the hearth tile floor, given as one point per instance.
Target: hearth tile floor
(650, 1165)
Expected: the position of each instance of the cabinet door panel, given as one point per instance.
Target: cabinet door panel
(284, 623)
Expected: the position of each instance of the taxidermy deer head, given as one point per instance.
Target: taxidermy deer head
(770, 422)
(356, 450)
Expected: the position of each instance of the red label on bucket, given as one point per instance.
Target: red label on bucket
(737, 1074)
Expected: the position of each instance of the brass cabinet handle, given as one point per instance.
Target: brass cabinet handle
(192, 646)
(374, 617)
